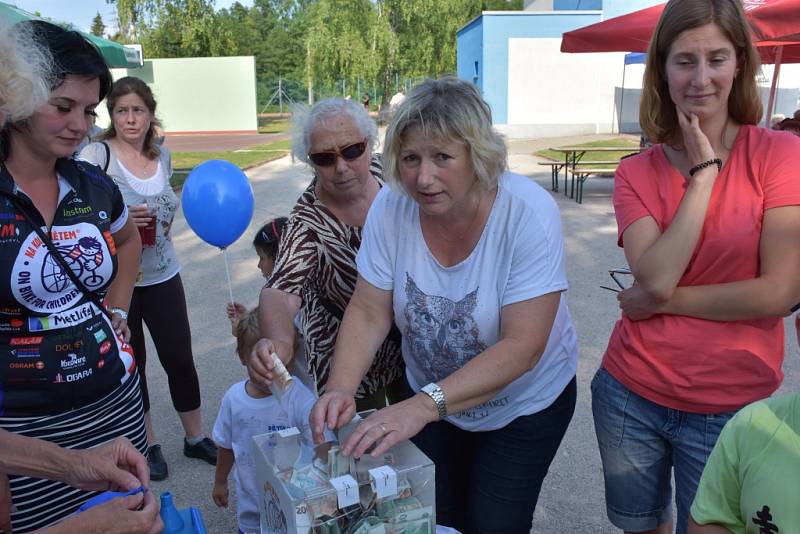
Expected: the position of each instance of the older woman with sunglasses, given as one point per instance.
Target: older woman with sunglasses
(315, 270)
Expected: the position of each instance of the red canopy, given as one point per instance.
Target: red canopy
(777, 20)
(771, 20)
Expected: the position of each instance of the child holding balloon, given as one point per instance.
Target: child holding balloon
(266, 244)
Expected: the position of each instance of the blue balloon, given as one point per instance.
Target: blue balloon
(217, 202)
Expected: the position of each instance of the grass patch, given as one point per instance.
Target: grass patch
(621, 142)
(269, 125)
(184, 162)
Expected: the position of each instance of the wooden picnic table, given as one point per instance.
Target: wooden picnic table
(574, 154)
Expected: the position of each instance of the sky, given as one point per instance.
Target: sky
(81, 12)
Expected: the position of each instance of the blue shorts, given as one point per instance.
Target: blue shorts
(640, 443)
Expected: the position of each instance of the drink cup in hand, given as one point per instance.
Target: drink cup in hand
(148, 232)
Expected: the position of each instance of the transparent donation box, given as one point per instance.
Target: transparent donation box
(315, 489)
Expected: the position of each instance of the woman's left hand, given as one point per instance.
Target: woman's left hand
(389, 426)
(636, 304)
(121, 327)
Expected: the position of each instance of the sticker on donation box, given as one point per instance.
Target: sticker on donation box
(288, 432)
(346, 490)
(384, 481)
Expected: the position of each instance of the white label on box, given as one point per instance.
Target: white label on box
(346, 490)
(288, 432)
(384, 481)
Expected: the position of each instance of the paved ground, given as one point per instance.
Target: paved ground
(572, 496)
(217, 142)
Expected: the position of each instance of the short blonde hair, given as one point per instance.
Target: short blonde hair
(26, 71)
(657, 115)
(448, 110)
(247, 333)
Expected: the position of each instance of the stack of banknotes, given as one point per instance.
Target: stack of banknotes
(402, 513)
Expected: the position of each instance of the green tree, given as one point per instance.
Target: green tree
(97, 25)
(341, 42)
(133, 16)
(502, 5)
(186, 28)
(426, 33)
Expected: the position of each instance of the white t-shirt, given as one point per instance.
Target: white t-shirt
(448, 315)
(240, 418)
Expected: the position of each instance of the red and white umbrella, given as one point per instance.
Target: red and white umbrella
(775, 25)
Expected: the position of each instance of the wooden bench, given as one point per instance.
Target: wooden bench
(582, 173)
(555, 170)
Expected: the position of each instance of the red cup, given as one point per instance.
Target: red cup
(148, 233)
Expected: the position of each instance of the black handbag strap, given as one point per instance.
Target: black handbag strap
(59, 258)
(108, 156)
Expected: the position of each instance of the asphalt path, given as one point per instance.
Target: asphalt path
(572, 496)
(218, 142)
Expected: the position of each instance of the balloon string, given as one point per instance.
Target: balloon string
(228, 274)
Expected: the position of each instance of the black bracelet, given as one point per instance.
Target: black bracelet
(699, 166)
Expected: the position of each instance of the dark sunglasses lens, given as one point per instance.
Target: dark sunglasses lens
(353, 151)
(323, 159)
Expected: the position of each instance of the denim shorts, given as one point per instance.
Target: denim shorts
(640, 444)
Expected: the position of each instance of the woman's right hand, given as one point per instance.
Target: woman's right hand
(698, 147)
(140, 214)
(334, 409)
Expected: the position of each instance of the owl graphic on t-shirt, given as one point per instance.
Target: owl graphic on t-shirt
(442, 333)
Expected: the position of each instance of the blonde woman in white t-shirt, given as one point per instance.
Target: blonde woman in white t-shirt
(130, 153)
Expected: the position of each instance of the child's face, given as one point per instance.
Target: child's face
(265, 263)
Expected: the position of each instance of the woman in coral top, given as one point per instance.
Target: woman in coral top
(710, 222)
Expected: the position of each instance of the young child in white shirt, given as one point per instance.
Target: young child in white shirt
(248, 409)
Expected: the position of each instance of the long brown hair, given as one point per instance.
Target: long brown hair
(657, 115)
(126, 86)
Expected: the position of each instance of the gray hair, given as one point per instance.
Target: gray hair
(26, 71)
(305, 119)
(448, 110)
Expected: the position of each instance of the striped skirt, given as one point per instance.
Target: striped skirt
(38, 503)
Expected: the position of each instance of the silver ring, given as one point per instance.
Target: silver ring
(383, 427)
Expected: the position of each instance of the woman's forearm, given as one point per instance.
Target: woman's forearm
(129, 250)
(659, 268)
(526, 329)
(277, 310)
(734, 301)
(21, 455)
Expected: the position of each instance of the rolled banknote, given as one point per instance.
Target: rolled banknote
(283, 380)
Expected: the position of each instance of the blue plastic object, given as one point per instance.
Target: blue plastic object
(185, 521)
(107, 496)
(217, 202)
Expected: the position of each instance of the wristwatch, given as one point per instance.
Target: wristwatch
(119, 311)
(435, 392)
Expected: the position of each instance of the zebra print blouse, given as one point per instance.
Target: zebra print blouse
(317, 262)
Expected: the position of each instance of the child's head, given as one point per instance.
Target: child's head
(266, 244)
(247, 334)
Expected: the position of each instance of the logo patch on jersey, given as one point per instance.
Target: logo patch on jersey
(63, 319)
(38, 280)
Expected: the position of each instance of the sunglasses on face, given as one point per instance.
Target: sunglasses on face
(348, 153)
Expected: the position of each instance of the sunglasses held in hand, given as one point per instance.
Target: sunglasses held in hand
(348, 153)
(616, 275)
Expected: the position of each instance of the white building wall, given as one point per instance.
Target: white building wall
(553, 94)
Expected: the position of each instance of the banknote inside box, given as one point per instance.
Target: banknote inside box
(315, 489)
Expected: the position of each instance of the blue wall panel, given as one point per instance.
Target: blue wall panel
(470, 53)
(580, 5)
